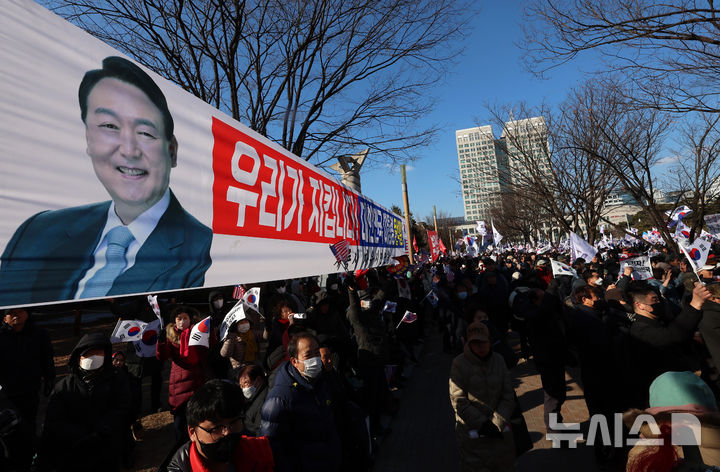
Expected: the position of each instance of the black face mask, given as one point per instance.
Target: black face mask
(222, 449)
(658, 309)
(600, 305)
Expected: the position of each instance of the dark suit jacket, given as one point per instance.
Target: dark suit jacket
(50, 252)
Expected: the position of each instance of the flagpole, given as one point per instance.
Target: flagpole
(435, 219)
(406, 203)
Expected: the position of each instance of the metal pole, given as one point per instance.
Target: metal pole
(435, 219)
(406, 203)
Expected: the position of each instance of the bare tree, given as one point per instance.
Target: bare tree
(627, 141)
(560, 184)
(697, 172)
(320, 77)
(668, 50)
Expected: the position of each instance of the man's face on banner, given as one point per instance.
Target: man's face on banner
(126, 142)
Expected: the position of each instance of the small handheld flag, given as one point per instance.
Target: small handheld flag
(145, 347)
(341, 251)
(200, 333)
(401, 266)
(390, 307)
(697, 254)
(238, 292)
(559, 268)
(237, 313)
(152, 300)
(408, 317)
(127, 330)
(251, 299)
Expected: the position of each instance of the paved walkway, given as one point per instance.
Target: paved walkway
(423, 438)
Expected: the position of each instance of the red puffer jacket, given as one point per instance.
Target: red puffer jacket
(187, 372)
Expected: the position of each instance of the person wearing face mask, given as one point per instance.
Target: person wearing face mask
(216, 303)
(298, 413)
(215, 424)
(483, 400)
(589, 337)
(188, 369)
(660, 343)
(254, 384)
(239, 345)
(88, 412)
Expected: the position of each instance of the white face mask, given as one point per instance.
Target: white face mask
(248, 392)
(334, 287)
(92, 362)
(599, 281)
(243, 328)
(218, 303)
(281, 290)
(313, 367)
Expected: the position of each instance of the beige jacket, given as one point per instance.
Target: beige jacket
(481, 390)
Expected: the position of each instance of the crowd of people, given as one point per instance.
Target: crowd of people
(305, 382)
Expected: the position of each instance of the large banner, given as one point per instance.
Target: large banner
(115, 181)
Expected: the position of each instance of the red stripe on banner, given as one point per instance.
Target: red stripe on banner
(259, 191)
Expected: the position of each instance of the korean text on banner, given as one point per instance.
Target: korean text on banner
(220, 204)
(434, 245)
(642, 270)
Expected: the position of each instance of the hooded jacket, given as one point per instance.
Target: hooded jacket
(297, 417)
(87, 412)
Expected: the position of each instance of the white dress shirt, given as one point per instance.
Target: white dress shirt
(141, 227)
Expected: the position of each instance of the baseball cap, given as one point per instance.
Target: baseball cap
(477, 331)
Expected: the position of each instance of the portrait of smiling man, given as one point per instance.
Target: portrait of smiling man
(142, 239)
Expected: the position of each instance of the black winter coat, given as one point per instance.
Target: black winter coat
(87, 414)
(253, 409)
(298, 419)
(710, 329)
(658, 346)
(370, 333)
(25, 357)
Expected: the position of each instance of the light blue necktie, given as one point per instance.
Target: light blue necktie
(118, 239)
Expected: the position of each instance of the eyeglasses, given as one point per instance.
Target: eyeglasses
(219, 431)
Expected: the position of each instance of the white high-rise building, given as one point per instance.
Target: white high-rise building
(526, 144)
(488, 166)
(480, 161)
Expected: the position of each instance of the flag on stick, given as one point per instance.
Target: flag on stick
(390, 307)
(127, 330)
(152, 300)
(697, 253)
(560, 268)
(237, 313)
(251, 299)
(145, 347)
(341, 251)
(581, 248)
(200, 333)
(238, 292)
(408, 317)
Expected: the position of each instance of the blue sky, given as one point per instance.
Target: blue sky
(490, 71)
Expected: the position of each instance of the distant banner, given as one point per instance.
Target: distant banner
(713, 223)
(434, 244)
(114, 181)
